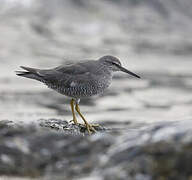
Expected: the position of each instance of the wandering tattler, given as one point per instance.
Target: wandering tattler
(78, 80)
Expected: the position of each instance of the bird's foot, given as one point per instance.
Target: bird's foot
(90, 128)
(95, 125)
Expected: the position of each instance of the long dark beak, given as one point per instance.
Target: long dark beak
(129, 72)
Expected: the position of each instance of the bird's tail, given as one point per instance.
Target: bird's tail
(31, 73)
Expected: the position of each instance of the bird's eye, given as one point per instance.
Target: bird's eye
(114, 63)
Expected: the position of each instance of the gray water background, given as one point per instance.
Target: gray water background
(151, 38)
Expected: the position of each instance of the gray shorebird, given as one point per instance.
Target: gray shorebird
(78, 80)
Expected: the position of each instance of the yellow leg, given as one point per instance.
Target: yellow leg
(73, 112)
(88, 126)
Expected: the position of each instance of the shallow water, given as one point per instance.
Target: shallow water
(146, 42)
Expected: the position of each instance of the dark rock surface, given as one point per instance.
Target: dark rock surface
(60, 150)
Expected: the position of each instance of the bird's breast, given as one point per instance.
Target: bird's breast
(85, 88)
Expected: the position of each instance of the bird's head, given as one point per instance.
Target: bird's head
(113, 64)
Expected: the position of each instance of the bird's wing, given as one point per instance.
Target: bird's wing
(68, 76)
(75, 69)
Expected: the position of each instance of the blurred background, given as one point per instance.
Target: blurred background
(151, 37)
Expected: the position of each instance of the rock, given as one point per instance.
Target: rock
(59, 150)
(68, 128)
(34, 151)
(158, 152)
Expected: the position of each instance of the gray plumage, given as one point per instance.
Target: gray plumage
(78, 80)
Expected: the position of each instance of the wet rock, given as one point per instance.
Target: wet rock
(68, 127)
(34, 151)
(161, 151)
(5, 123)
(158, 152)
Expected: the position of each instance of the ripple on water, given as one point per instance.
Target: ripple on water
(160, 96)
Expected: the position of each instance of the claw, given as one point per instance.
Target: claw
(90, 129)
(95, 125)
